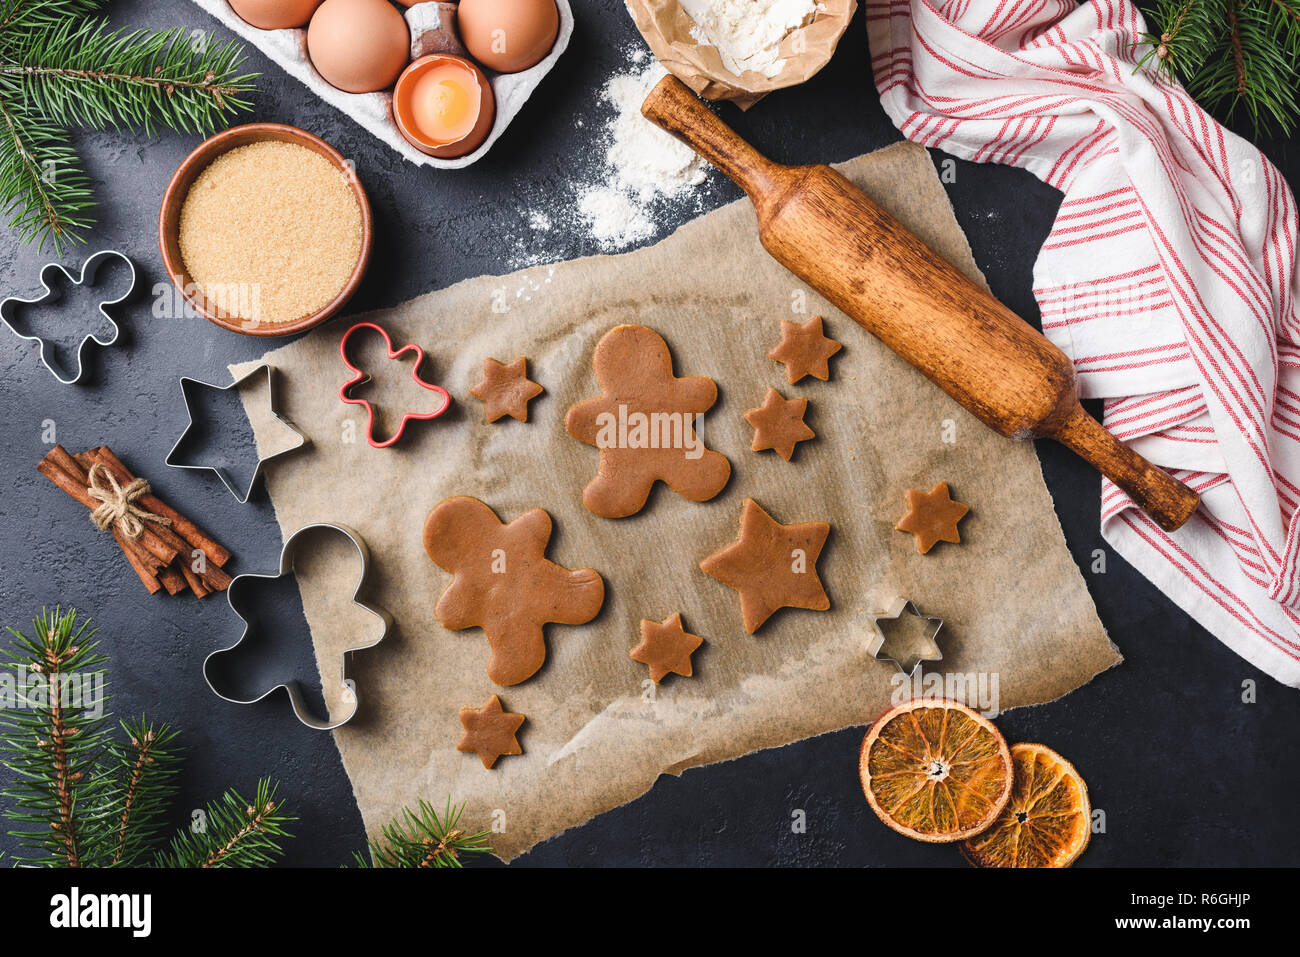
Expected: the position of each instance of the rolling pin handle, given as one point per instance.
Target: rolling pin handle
(673, 107)
(1159, 494)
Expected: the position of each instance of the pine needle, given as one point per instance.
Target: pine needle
(421, 838)
(232, 832)
(54, 733)
(84, 798)
(1233, 56)
(60, 69)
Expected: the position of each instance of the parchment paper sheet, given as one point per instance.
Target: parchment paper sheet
(667, 29)
(1014, 602)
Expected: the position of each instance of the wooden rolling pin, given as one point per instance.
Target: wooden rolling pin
(832, 236)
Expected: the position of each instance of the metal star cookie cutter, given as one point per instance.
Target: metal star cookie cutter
(89, 271)
(294, 690)
(221, 473)
(877, 648)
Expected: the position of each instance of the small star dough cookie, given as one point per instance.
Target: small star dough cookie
(503, 583)
(490, 731)
(666, 646)
(771, 565)
(932, 517)
(805, 351)
(778, 424)
(644, 425)
(506, 389)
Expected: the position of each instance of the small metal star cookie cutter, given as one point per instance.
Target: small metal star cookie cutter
(221, 473)
(877, 647)
(89, 271)
(292, 688)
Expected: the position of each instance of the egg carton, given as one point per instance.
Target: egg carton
(374, 111)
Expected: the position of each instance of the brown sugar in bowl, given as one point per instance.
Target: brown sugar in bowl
(169, 217)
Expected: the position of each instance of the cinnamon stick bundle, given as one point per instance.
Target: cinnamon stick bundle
(168, 551)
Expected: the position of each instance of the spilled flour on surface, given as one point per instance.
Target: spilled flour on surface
(633, 179)
(642, 164)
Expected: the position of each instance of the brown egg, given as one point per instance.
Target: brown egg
(443, 105)
(360, 46)
(508, 35)
(275, 14)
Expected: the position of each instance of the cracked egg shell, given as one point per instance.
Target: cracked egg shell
(432, 103)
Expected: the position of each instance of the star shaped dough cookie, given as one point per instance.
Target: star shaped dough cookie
(643, 422)
(490, 731)
(804, 350)
(503, 583)
(506, 389)
(666, 646)
(778, 424)
(932, 517)
(771, 565)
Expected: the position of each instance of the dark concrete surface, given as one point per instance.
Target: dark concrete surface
(1186, 773)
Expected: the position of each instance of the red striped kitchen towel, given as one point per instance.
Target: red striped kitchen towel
(1169, 277)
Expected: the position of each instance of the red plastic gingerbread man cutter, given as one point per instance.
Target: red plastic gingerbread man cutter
(360, 376)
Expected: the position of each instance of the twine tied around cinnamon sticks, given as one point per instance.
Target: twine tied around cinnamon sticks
(164, 548)
(117, 504)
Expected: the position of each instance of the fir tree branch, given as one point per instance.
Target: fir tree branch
(235, 833)
(1287, 11)
(1232, 54)
(94, 801)
(144, 789)
(59, 69)
(53, 738)
(81, 73)
(43, 189)
(422, 839)
(43, 13)
(1238, 61)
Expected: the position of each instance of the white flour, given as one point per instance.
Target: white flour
(634, 176)
(748, 33)
(642, 164)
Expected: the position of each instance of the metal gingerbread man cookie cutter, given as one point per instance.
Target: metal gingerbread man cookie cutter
(89, 272)
(239, 605)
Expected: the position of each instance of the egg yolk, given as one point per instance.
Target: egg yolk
(445, 103)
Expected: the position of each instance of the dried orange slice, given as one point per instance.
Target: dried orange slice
(935, 770)
(1046, 823)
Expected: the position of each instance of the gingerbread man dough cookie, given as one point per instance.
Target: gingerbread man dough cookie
(503, 583)
(644, 425)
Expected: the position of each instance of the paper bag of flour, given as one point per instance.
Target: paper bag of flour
(672, 34)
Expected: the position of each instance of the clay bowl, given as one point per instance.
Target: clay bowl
(169, 219)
